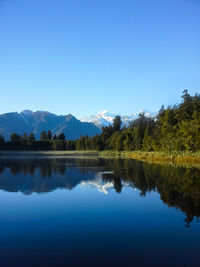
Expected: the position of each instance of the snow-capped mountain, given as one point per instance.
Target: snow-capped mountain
(105, 118)
(100, 184)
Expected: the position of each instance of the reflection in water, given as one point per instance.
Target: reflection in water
(178, 187)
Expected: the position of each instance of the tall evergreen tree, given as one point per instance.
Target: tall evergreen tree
(14, 137)
(43, 136)
(49, 135)
(61, 137)
(2, 141)
(117, 122)
(54, 137)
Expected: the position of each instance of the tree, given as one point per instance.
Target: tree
(25, 136)
(117, 184)
(105, 136)
(87, 142)
(31, 140)
(117, 122)
(2, 141)
(43, 136)
(49, 135)
(147, 146)
(70, 145)
(55, 137)
(127, 143)
(160, 112)
(147, 140)
(185, 109)
(61, 137)
(14, 137)
(116, 141)
(96, 142)
(59, 145)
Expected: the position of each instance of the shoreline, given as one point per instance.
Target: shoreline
(190, 159)
(184, 159)
(55, 154)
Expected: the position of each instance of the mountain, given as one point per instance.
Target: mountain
(104, 118)
(36, 122)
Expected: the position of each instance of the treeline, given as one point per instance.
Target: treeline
(175, 128)
(29, 142)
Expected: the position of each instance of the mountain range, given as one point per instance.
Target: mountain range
(28, 121)
(105, 118)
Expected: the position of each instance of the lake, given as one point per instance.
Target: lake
(98, 212)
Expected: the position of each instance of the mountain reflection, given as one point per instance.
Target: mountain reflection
(178, 187)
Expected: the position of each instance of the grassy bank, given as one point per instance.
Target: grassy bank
(179, 158)
(186, 158)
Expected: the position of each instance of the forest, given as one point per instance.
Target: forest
(175, 128)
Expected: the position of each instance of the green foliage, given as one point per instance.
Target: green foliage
(61, 137)
(175, 129)
(55, 137)
(43, 136)
(117, 122)
(2, 142)
(58, 145)
(15, 137)
(49, 135)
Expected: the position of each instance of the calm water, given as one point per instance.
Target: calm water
(94, 212)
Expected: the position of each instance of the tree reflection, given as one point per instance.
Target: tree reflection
(118, 185)
(178, 187)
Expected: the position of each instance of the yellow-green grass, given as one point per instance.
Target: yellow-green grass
(187, 158)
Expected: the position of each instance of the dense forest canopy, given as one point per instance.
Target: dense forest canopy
(175, 128)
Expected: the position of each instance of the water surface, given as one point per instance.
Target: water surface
(97, 212)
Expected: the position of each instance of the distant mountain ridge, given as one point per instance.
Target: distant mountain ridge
(28, 121)
(105, 118)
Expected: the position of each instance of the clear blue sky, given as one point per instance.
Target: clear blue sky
(83, 56)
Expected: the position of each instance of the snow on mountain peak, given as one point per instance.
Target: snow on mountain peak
(103, 112)
(105, 118)
(26, 112)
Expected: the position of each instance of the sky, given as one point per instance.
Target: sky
(84, 56)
